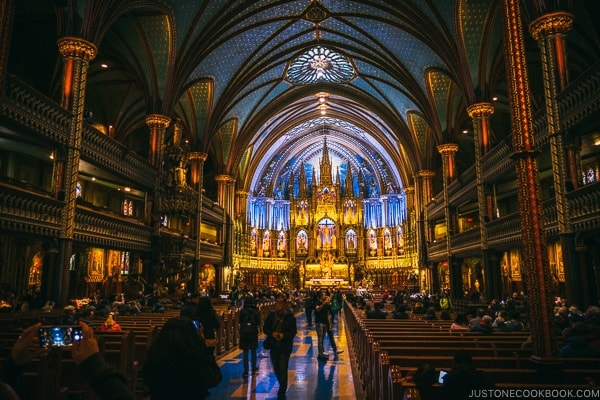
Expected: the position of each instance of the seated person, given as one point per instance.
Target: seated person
(419, 309)
(377, 312)
(513, 324)
(578, 340)
(110, 325)
(445, 315)
(430, 315)
(485, 325)
(400, 312)
(464, 378)
(461, 323)
(474, 322)
(424, 378)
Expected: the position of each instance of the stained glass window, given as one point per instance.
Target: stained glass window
(320, 64)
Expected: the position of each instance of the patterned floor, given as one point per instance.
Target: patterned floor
(308, 377)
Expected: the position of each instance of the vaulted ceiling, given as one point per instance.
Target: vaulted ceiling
(225, 70)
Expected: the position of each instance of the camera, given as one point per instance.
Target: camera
(59, 335)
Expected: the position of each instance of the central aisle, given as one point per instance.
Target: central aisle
(308, 378)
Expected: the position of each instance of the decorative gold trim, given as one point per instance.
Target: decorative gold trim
(157, 121)
(480, 110)
(447, 148)
(224, 178)
(77, 47)
(196, 156)
(559, 22)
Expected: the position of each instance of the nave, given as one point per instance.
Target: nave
(308, 378)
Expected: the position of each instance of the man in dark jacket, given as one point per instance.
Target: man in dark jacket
(280, 326)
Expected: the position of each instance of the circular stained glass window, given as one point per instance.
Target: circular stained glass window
(320, 64)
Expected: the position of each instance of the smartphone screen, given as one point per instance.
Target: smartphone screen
(441, 376)
(196, 324)
(59, 336)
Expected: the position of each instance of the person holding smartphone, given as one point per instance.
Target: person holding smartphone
(25, 349)
(106, 380)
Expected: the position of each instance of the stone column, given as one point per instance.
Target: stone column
(480, 114)
(529, 194)
(448, 151)
(76, 53)
(197, 160)
(550, 31)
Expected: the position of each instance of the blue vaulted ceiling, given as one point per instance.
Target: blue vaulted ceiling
(220, 65)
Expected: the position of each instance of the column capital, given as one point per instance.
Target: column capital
(224, 178)
(197, 156)
(77, 47)
(242, 192)
(480, 110)
(559, 22)
(447, 148)
(157, 121)
(409, 189)
(425, 174)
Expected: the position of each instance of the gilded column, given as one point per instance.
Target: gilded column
(480, 114)
(550, 31)
(448, 151)
(422, 198)
(535, 258)
(76, 53)
(158, 124)
(241, 225)
(410, 233)
(197, 160)
(226, 198)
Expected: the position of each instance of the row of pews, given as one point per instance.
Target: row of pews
(54, 376)
(389, 351)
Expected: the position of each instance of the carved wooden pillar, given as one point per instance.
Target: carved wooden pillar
(529, 194)
(480, 113)
(197, 160)
(76, 53)
(550, 31)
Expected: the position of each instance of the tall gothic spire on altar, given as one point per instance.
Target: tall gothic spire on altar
(326, 178)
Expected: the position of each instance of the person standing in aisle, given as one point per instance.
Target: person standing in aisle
(323, 325)
(280, 328)
(249, 323)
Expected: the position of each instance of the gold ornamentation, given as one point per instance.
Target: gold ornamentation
(157, 121)
(447, 148)
(480, 110)
(551, 24)
(77, 47)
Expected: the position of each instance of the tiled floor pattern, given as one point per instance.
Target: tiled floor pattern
(308, 378)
